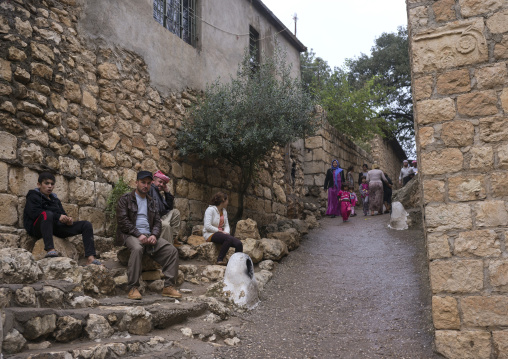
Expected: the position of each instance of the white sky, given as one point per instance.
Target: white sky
(340, 29)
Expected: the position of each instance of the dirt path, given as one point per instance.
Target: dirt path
(352, 290)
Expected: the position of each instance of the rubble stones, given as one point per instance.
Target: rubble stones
(253, 248)
(97, 327)
(64, 247)
(13, 342)
(68, 329)
(37, 327)
(61, 268)
(273, 249)
(18, 266)
(247, 229)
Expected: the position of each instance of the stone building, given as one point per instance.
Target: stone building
(459, 53)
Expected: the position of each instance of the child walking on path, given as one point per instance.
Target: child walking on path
(364, 192)
(345, 202)
(354, 199)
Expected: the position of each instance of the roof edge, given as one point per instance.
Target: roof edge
(279, 25)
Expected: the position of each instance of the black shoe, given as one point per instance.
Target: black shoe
(333, 216)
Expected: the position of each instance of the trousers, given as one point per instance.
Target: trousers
(164, 253)
(170, 225)
(227, 242)
(46, 225)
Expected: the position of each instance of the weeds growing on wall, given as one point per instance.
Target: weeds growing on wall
(119, 189)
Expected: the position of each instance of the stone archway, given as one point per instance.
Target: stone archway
(459, 50)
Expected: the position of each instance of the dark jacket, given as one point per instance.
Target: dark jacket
(126, 214)
(164, 204)
(36, 203)
(387, 191)
(329, 178)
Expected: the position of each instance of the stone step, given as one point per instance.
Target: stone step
(113, 316)
(115, 347)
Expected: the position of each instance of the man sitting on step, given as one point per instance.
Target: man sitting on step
(44, 217)
(139, 229)
(170, 217)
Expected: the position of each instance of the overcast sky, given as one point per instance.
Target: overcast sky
(340, 29)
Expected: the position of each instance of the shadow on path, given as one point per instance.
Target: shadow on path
(352, 290)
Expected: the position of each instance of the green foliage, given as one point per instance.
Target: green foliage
(242, 120)
(119, 189)
(389, 64)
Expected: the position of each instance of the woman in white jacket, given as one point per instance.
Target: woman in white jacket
(216, 227)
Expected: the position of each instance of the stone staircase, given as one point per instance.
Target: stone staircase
(55, 308)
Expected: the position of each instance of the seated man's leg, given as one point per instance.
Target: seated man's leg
(80, 227)
(44, 228)
(134, 265)
(167, 256)
(175, 221)
(166, 231)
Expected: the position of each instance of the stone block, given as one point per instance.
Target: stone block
(72, 210)
(463, 344)
(501, 48)
(5, 70)
(96, 216)
(108, 71)
(102, 191)
(69, 166)
(444, 10)
(498, 184)
(438, 246)
(482, 243)
(445, 313)
(426, 136)
(498, 273)
(110, 141)
(456, 276)
(182, 204)
(423, 87)
(469, 8)
(4, 177)
(502, 155)
(82, 192)
(455, 44)
(247, 229)
(9, 211)
(273, 249)
(483, 311)
(8, 146)
(320, 155)
(314, 167)
(491, 214)
(39, 326)
(483, 103)
(449, 160)
(418, 17)
(314, 142)
(493, 129)
(30, 154)
(498, 23)
(491, 76)
(434, 111)
(500, 340)
(481, 157)
(466, 188)
(457, 133)
(254, 249)
(433, 191)
(453, 82)
(65, 247)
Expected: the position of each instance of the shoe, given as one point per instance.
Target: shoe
(222, 263)
(52, 254)
(134, 294)
(333, 216)
(171, 292)
(176, 243)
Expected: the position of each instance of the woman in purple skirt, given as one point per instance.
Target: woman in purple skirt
(333, 182)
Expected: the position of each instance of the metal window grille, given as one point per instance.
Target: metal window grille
(178, 16)
(253, 48)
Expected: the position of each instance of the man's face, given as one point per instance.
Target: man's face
(364, 168)
(405, 164)
(143, 185)
(159, 183)
(46, 187)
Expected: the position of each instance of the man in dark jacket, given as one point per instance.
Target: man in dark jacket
(139, 229)
(44, 217)
(170, 216)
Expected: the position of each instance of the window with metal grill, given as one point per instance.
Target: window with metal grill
(253, 48)
(178, 16)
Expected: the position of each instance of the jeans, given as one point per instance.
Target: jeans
(227, 242)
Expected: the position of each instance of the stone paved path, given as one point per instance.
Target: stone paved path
(352, 290)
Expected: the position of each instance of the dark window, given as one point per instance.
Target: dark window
(253, 48)
(178, 16)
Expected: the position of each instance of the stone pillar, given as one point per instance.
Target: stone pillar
(459, 52)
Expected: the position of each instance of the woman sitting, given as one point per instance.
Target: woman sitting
(216, 227)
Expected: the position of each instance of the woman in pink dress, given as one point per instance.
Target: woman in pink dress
(333, 182)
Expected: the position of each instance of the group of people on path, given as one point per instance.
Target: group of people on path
(375, 188)
(147, 223)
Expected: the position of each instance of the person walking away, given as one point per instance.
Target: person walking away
(349, 178)
(387, 193)
(345, 202)
(139, 229)
(364, 192)
(406, 173)
(44, 216)
(333, 182)
(375, 178)
(216, 227)
(365, 170)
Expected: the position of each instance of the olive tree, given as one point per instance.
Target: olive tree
(241, 120)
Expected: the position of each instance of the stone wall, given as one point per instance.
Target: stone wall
(459, 54)
(389, 155)
(90, 114)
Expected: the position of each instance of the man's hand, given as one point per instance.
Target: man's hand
(152, 240)
(165, 188)
(65, 220)
(143, 239)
